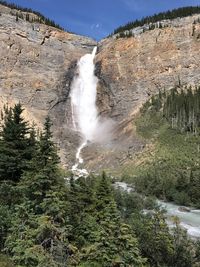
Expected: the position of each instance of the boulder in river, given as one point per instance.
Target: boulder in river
(184, 209)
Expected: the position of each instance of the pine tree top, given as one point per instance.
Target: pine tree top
(170, 14)
(41, 17)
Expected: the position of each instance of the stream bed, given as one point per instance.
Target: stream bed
(189, 217)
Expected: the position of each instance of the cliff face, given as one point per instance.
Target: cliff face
(36, 68)
(34, 62)
(38, 63)
(132, 69)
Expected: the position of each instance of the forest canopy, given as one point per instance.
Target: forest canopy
(41, 18)
(50, 219)
(173, 14)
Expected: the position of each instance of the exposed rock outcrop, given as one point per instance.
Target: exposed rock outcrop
(36, 68)
(132, 69)
(38, 62)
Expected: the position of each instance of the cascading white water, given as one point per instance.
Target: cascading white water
(83, 103)
(189, 220)
(83, 97)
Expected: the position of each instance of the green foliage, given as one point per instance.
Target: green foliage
(99, 232)
(46, 155)
(5, 223)
(16, 144)
(182, 109)
(41, 239)
(154, 237)
(172, 172)
(10, 195)
(48, 221)
(131, 203)
(175, 13)
(183, 249)
(161, 246)
(41, 18)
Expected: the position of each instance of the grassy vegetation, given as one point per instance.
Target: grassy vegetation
(170, 167)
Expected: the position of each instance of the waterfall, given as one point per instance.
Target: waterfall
(83, 104)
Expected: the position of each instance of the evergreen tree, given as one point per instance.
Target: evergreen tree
(42, 183)
(42, 238)
(36, 240)
(16, 147)
(194, 186)
(104, 195)
(152, 20)
(182, 110)
(155, 240)
(114, 244)
(81, 199)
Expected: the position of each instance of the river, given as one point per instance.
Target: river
(189, 220)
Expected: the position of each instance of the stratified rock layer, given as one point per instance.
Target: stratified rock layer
(36, 68)
(132, 69)
(38, 63)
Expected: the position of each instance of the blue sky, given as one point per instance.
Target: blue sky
(98, 18)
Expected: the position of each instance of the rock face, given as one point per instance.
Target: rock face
(38, 63)
(36, 68)
(132, 69)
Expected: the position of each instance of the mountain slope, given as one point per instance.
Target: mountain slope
(38, 63)
(131, 70)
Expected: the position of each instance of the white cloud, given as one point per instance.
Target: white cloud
(133, 5)
(95, 26)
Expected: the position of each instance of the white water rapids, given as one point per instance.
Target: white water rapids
(83, 105)
(189, 220)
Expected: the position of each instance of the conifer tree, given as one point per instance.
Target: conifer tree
(81, 209)
(16, 147)
(114, 244)
(43, 175)
(42, 241)
(155, 240)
